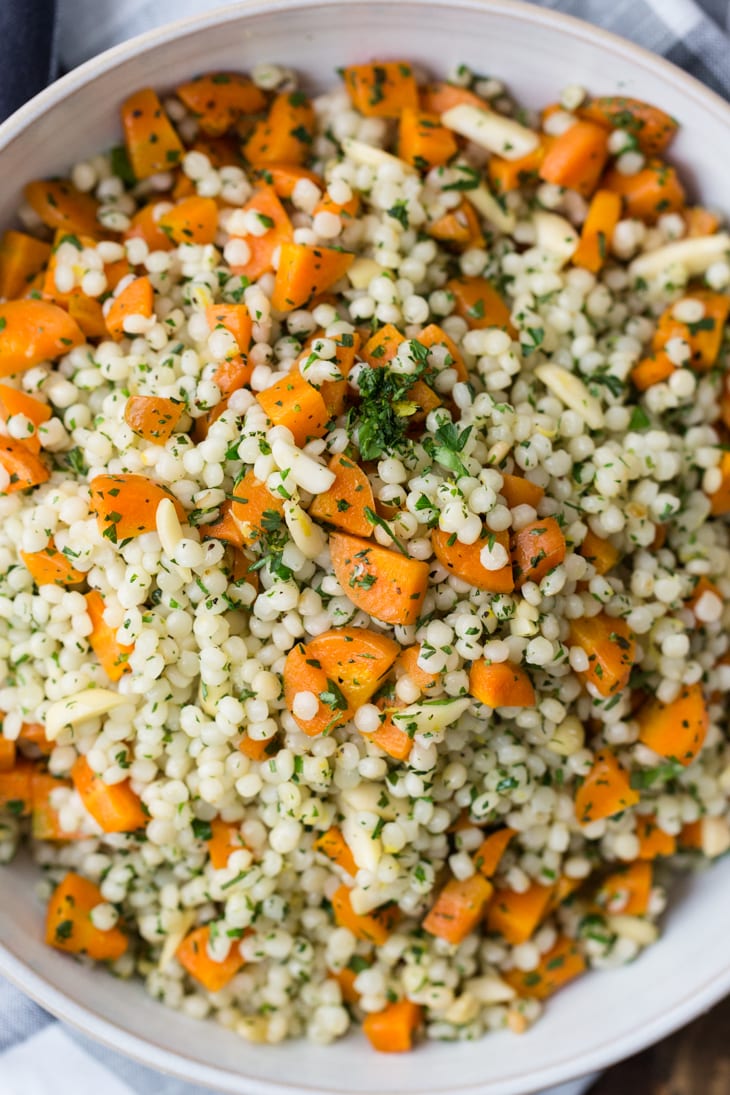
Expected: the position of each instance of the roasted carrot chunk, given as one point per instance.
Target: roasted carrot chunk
(45, 822)
(15, 788)
(652, 127)
(537, 549)
(703, 337)
(458, 908)
(501, 684)
(295, 403)
(479, 303)
(136, 299)
(652, 370)
(506, 175)
(252, 507)
(489, 853)
(678, 729)
(346, 503)
(383, 583)
(192, 954)
(406, 664)
(7, 754)
(69, 926)
(225, 839)
(627, 890)
(113, 655)
(561, 964)
(356, 659)
(285, 135)
(61, 206)
(423, 141)
(51, 567)
(24, 468)
(303, 674)
(601, 553)
(333, 845)
(152, 418)
(306, 270)
(605, 791)
(114, 806)
(152, 143)
(576, 158)
(32, 331)
(392, 1029)
(218, 100)
(265, 204)
(382, 346)
(720, 498)
(517, 915)
(650, 193)
(432, 336)
(232, 374)
(21, 258)
(653, 841)
(611, 649)
(389, 736)
(460, 228)
(13, 401)
(464, 560)
(439, 97)
(283, 177)
(596, 234)
(373, 927)
(192, 220)
(126, 505)
(382, 89)
(146, 226)
(518, 491)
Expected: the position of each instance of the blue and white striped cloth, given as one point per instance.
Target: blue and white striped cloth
(38, 1055)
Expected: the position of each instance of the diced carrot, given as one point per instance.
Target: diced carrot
(576, 158)
(126, 505)
(113, 655)
(459, 227)
(295, 403)
(392, 1029)
(600, 552)
(285, 135)
(145, 226)
(218, 99)
(383, 89)
(720, 498)
(464, 560)
(479, 303)
(537, 549)
(561, 964)
(357, 659)
(675, 730)
(700, 221)
(265, 203)
(652, 370)
(506, 175)
(69, 926)
(390, 737)
(226, 528)
(191, 220)
(24, 468)
(15, 788)
(257, 748)
(51, 567)
(382, 347)
(45, 822)
(21, 258)
(605, 791)
(88, 313)
(333, 845)
(346, 210)
(652, 127)
(562, 890)
(32, 331)
(232, 374)
(603, 215)
(235, 318)
(347, 501)
(225, 839)
(34, 733)
(192, 954)
(439, 97)
(611, 649)
(152, 144)
(334, 392)
(650, 193)
(517, 915)
(15, 401)
(690, 835)
(703, 337)
(373, 927)
(7, 754)
(303, 673)
(383, 583)
(60, 205)
(423, 141)
(501, 684)
(702, 586)
(345, 978)
(458, 908)
(489, 853)
(433, 335)
(283, 177)
(305, 270)
(251, 507)
(653, 841)
(627, 890)
(406, 664)
(114, 806)
(152, 417)
(519, 491)
(136, 299)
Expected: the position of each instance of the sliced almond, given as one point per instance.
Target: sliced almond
(89, 704)
(636, 928)
(485, 203)
(306, 472)
(715, 836)
(431, 716)
(168, 526)
(694, 255)
(362, 272)
(308, 536)
(371, 156)
(174, 938)
(503, 136)
(367, 850)
(555, 234)
(571, 391)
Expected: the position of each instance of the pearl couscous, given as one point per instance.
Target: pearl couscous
(364, 562)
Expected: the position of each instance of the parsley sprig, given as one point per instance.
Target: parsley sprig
(446, 445)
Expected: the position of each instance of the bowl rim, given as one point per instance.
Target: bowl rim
(175, 1062)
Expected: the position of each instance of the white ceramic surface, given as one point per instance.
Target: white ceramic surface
(605, 1016)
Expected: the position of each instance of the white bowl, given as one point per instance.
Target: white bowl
(605, 1016)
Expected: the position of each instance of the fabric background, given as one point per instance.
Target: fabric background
(39, 1055)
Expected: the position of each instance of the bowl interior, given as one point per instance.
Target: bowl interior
(603, 1016)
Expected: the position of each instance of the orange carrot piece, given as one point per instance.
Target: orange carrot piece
(45, 823)
(458, 908)
(383, 89)
(344, 505)
(652, 370)
(596, 234)
(652, 127)
(192, 954)
(218, 99)
(720, 498)
(464, 560)
(382, 347)
(114, 807)
(15, 401)
(251, 503)
(265, 203)
(346, 210)
(357, 659)
(136, 299)
(306, 270)
(605, 791)
(34, 733)
(60, 205)
(51, 567)
(479, 303)
(152, 144)
(333, 845)
(373, 927)
(627, 890)
(489, 853)
(285, 135)
(501, 684)
(16, 788)
(650, 193)
(21, 258)
(518, 491)
(517, 915)
(433, 335)
(126, 505)
(226, 528)
(257, 748)
(576, 158)
(690, 835)
(391, 738)
(392, 1029)
(536, 550)
(192, 220)
(68, 922)
(611, 649)
(7, 754)
(439, 97)
(459, 227)
(24, 468)
(653, 841)
(295, 403)
(225, 839)
(507, 175)
(283, 177)
(383, 583)
(88, 313)
(675, 730)
(700, 221)
(705, 336)
(235, 318)
(232, 374)
(113, 655)
(145, 226)
(152, 417)
(334, 392)
(406, 664)
(561, 964)
(600, 552)
(32, 331)
(423, 141)
(345, 978)
(303, 673)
